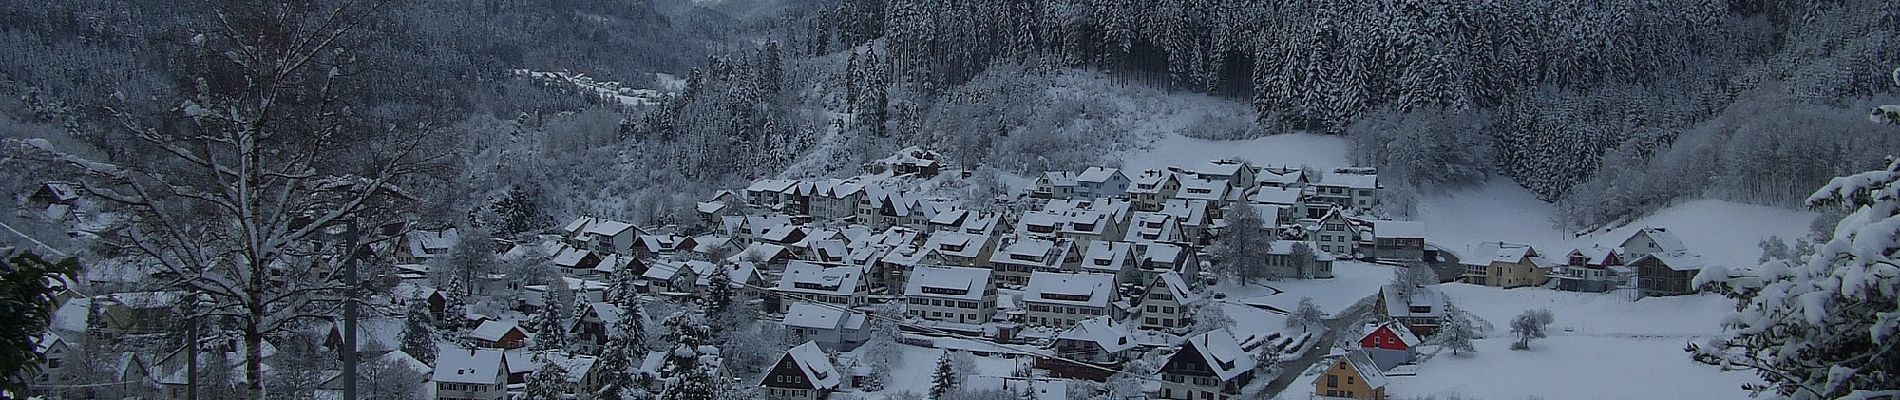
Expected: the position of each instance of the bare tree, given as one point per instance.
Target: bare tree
(257, 177)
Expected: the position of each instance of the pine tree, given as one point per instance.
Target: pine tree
(1823, 327)
(549, 327)
(718, 300)
(550, 382)
(418, 333)
(625, 350)
(691, 365)
(624, 290)
(944, 381)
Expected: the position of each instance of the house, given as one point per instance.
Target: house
(805, 372)
(1286, 260)
(139, 311)
(1023, 388)
(837, 285)
(1152, 189)
(54, 199)
(607, 236)
(1389, 344)
(1334, 234)
(1165, 305)
(951, 294)
(1092, 349)
(1508, 265)
(831, 327)
(594, 327)
(470, 374)
(1062, 299)
(774, 194)
(583, 380)
(1280, 177)
(890, 271)
(835, 199)
(1398, 240)
(1214, 192)
(1667, 274)
(912, 161)
(1649, 241)
(55, 358)
(575, 262)
(961, 249)
(1018, 259)
(1151, 227)
(499, 335)
(1055, 185)
(1107, 221)
(1113, 258)
(1353, 376)
(1158, 258)
(423, 245)
(1099, 182)
(1287, 200)
(1347, 188)
(1421, 314)
(1232, 173)
(1592, 270)
(1208, 366)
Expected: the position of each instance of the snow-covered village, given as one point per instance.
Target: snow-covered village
(949, 200)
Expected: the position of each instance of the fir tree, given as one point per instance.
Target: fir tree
(719, 291)
(625, 350)
(1458, 330)
(550, 382)
(418, 333)
(944, 381)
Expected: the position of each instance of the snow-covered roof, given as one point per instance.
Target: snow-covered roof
(1176, 285)
(1680, 261)
(1080, 289)
(577, 225)
(1399, 229)
(1368, 370)
(1162, 253)
(474, 366)
(1663, 239)
(1352, 181)
(1279, 176)
(771, 185)
(146, 300)
(1222, 353)
(570, 257)
(957, 244)
(1276, 195)
(1285, 247)
(1197, 189)
(912, 156)
(1108, 256)
(62, 191)
(951, 217)
(422, 244)
(1045, 388)
(805, 314)
(709, 207)
(1059, 178)
(608, 228)
(1189, 212)
(1098, 175)
(1105, 332)
(1405, 334)
(816, 366)
(493, 330)
(960, 283)
(803, 277)
(1220, 167)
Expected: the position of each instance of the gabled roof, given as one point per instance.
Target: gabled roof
(1108, 256)
(973, 282)
(609, 228)
(1221, 353)
(957, 244)
(1352, 181)
(1405, 334)
(61, 191)
(492, 330)
(1663, 239)
(1092, 290)
(816, 279)
(816, 366)
(1099, 175)
(1059, 178)
(1111, 336)
(1368, 370)
(1399, 229)
(1197, 189)
(805, 314)
(771, 185)
(1285, 247)
(1175, 285)
(476, 366)
(1275, 196)
(1680, 261)
(1221, 167)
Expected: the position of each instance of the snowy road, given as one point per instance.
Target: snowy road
(1327, 342)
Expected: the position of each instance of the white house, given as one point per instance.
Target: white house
(831, 328)
(805, 372)
(1099, 182)
(1113, 258)
(470, 374)
(1165, 305)
(1055, 185)
(837, 285)
(1063, 299)
(1652, 241)
(951, 294)
(1014, 263)
(1208, 366)
(1349, 188)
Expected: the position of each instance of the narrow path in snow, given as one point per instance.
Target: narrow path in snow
(1292, 369)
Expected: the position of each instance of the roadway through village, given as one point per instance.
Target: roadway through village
(1292, 370)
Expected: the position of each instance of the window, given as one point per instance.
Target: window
(1332, 381)
(1349, 380)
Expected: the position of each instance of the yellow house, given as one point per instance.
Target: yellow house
(1506, 265)
(1354, 376)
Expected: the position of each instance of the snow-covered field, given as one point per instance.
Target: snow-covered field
(913, 372)
(1728, 233)
(1602, 346)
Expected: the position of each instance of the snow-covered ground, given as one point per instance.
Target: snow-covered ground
(913, 372)
(1602, 346)
(1351, 281)
(1728, 233)
(1294, 149)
